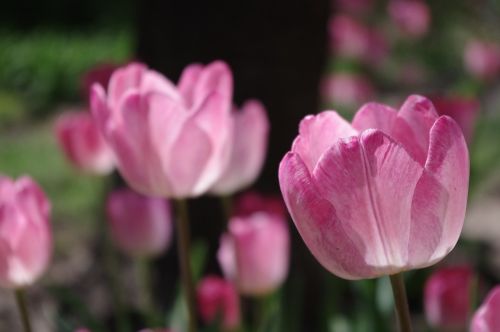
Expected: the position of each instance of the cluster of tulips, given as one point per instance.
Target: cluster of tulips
(383, 194)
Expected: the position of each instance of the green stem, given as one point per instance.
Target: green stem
(23, 309)
(148, 307)
(401, 302)
(183, 246)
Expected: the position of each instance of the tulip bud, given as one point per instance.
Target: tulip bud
(482, 59)
(486, 318)
(25, 232)
(412, 17)
(82, 143)
(248, 152)
(140, 225)
(447, 297)
(217, 298)
(255, 252)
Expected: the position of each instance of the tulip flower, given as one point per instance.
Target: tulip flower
(25, 232)
(250, 202)
(447, 297)
(381, 195)
(486, 318)
(462, 109)
(347, 90)
(140, 226)
(482, 59)
(412, 17)
(248, 152)
(218, 298)
(255, 251)
(83, 144)
(168, 141)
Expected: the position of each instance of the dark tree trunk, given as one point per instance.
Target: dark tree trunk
(277, 51)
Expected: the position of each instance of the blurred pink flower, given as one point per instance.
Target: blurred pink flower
(351, 39)
(25, 232)
(248, 152)
(346, 89)
(82, 142)
(482, 59)
(169, 141)
(218, 298)
(250, 202)
(140, 225)
(354, 6)
(255, 252)
(412, 17)
(447, 297)
(486, 318)
(462, 109)
(100, 74)
(383, 194)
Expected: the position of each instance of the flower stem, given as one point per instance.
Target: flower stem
(401, 302)
(183, 246)
(23, 309)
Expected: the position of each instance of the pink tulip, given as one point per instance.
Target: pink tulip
(255, 252)
(447, 297)
(381, 195)
(482, 59)
(486, 318)
(100, 73)
(251, 128)
(351, 39)
(252, 202)
(169, 141)
(218, 298)
(83, 144)
(347, 90)
(25, 232)
(462, 109)
(140, 225)
(412, 17)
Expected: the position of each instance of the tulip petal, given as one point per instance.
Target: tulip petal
(188, 80)
(375, 116)
(124, 79)
(413, 124)
(319, 132)
(318, 223)
(100, 111)
(370, 181)
(153, 81)
(215, 77)
(448, 161)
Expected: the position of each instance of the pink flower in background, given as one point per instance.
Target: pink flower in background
(140, 225)
(482, 59)
(462, 109)
(82, 142)
(169, 141)
(346, 89)
(383, 194)
(100, 74)
(218, 298)
(255, 252)
(354, 6)
(250, 137)
(486, 318)
(250, 202)
(351, 39)
(25, 232)
(447, 297)
(412, 17)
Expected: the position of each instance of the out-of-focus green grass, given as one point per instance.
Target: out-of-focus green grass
(33, 150)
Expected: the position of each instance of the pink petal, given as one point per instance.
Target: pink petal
(188, 80)
(99, 108)
(370, 181)
(153, 81)
(124, 79)
(413, 124)
(375, 116)
(248, 151)
(318, 223)
(319, 132)
(486, 318)
(215, 77)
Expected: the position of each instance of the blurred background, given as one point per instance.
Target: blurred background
(297, 57)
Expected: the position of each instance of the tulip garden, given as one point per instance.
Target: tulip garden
(138, 203)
